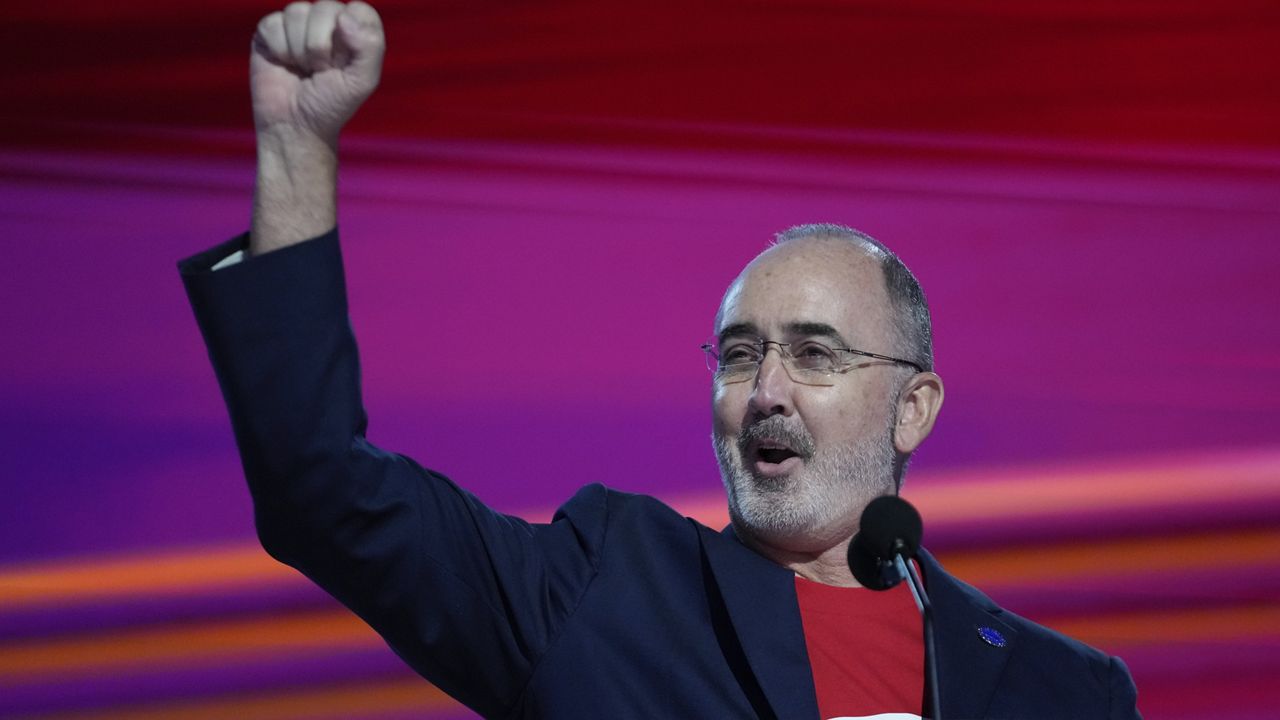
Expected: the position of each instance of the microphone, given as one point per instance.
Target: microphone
(879, 556)
(890, 527)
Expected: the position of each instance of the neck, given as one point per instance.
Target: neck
(829, 565)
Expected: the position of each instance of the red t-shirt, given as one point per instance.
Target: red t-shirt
(866, 649)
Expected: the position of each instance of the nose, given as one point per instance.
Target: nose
(771, 394)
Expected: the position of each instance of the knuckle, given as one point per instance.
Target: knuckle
(270, 21)
(364, 12)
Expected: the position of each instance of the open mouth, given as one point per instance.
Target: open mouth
(775, 455)
(774, 447)
(771, 458)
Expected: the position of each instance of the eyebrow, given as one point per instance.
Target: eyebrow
(742, 329)
(794, 329)
(814, 329)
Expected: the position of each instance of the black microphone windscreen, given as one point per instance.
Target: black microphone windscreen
(868, 568)
(890, 524)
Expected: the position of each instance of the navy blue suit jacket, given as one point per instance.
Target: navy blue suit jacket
(617, 608)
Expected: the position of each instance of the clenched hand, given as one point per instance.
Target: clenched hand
(311, 67)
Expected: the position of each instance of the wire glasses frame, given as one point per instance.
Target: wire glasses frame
(810, 362)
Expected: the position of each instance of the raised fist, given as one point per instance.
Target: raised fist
(312, 65)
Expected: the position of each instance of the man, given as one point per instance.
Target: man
(619, 607)
(803, 449)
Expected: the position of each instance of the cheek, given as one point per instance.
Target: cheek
(843, 416)
(728, 406)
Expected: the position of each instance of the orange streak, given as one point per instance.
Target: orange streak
(203, 644)
(175, 572)
(1225, 626)
(362, 700)
(991, 494)
(1109, 558)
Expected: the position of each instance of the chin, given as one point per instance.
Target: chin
(787, 513)
(809, 510)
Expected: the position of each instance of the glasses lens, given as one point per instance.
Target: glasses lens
(807, 363)
(814, 357)
(735, 362)
(812, 364)
(811, 377)
(737, 372)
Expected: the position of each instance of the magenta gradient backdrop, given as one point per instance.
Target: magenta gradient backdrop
(538, 227)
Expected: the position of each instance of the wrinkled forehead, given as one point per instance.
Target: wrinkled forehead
(809, 281)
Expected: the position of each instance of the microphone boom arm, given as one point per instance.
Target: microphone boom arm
(908, 571)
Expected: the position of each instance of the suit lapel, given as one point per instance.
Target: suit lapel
(969, 667)
(760, 599)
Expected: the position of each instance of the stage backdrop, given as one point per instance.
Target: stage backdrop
(1089, 193)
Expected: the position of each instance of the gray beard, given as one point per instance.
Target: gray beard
(815, 507)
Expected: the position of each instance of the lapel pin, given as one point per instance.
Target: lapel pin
(992, 637)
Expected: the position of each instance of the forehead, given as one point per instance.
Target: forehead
(810, 281)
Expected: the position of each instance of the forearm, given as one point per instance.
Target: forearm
(295, 196)
(286, 361)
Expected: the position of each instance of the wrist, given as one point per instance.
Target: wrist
(290, 142)
(291, 156)
(295, 193)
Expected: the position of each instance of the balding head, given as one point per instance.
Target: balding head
(912, 328)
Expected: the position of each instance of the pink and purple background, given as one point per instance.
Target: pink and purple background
(1090, 196)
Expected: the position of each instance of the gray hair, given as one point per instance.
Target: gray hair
(912, 325)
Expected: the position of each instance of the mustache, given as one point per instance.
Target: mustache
(776, 427)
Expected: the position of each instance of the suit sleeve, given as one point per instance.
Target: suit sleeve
(468, 597)
(1124, 693)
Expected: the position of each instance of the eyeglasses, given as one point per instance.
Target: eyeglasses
(808, 362)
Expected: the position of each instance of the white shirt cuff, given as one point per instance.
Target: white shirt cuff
(232, 259)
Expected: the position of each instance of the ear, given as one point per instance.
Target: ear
(918, 407)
